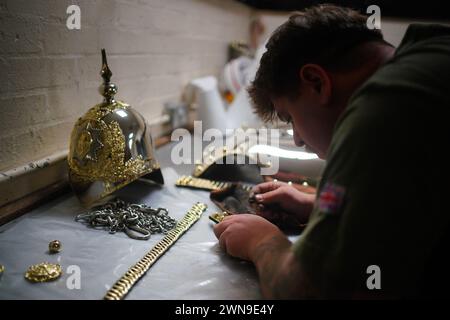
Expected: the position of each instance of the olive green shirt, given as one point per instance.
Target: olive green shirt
(380, 201)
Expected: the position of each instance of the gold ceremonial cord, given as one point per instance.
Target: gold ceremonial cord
(205, 184)
(120, 289)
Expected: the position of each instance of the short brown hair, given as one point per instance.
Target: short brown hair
(321, 34)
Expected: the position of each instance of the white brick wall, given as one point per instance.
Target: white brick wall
(49, 75)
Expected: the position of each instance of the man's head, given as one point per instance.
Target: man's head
(313, 64)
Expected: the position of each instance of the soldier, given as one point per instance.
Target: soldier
(377, 115)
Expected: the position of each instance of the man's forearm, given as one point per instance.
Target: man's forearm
(280, 274)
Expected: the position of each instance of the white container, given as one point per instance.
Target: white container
(211, 108)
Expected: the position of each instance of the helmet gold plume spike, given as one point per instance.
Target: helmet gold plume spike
(109, 89)
(110, 147)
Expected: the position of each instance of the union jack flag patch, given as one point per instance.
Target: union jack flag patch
(331, 198)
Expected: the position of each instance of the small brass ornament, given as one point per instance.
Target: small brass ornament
(218, 217)
(2, 269)
(43, 272)
(54, 246)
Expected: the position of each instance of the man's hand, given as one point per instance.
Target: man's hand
(253, 238)
(288, 198)
(240, 235)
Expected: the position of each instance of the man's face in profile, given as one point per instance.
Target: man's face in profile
(307, 121)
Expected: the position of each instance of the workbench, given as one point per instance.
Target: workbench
(193, 268)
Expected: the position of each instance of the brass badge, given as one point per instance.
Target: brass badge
(43, 272)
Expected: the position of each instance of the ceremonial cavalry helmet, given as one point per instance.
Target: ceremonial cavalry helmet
(110, 147)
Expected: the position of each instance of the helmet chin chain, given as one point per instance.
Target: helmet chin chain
(138, 221)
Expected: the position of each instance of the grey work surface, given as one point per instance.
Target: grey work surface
(194, 268)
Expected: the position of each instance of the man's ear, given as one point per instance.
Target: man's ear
(317, 79)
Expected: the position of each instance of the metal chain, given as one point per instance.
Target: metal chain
(138, 221)
(121, 288)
